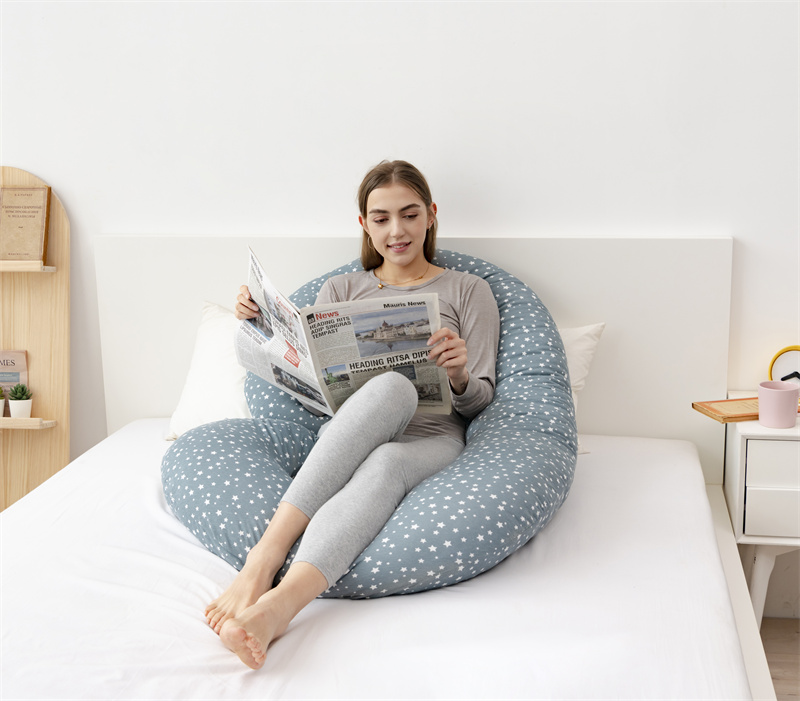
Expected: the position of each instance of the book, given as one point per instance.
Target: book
(13, 371)
(24, 223)
(729, 410)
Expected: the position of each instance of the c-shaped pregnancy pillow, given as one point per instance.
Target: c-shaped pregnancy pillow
(224, 480)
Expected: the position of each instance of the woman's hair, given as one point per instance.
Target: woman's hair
(388, 173)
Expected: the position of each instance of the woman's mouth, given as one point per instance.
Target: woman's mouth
(398, 247)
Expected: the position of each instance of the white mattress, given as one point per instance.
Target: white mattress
(621, 596)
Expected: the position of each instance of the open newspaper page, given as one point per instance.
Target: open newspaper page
(273, 345)
(324, 353)
(354, 341)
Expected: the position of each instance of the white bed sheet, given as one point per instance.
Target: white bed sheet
(621, 596)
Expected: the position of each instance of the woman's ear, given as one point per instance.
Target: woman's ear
(361, 222)
(433, 213)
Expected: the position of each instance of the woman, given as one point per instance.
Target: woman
(376, 448)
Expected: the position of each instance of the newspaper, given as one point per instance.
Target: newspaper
(322, 354)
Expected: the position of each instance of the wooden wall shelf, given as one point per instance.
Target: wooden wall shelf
(25, 266)
(8, 423)
(35, 317)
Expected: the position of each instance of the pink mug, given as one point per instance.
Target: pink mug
(777, 404)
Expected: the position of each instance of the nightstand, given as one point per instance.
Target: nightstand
(762, 488)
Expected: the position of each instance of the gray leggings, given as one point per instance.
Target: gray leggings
(359, 471)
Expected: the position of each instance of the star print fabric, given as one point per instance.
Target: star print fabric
(509, 481)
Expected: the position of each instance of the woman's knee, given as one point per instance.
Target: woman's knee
(395, 386)
(386, 402)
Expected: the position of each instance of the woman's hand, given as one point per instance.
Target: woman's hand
(450, 352)
(246, 308)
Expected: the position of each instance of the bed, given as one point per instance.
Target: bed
(632, 591)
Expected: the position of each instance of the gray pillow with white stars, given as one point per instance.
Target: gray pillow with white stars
(224, 480)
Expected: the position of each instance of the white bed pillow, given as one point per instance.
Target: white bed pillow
(580, 345)
(214, 387)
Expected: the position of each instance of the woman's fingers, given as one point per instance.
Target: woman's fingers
(246, 308)
(450, 352)
(449, 348)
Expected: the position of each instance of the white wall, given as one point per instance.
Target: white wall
(530, 119)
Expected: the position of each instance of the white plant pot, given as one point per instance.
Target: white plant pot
(20, 408)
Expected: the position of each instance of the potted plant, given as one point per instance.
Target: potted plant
(19, 402)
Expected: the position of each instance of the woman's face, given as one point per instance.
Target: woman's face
(397, 221)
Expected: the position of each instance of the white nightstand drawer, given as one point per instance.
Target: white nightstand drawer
(773, 464)
(772, 512)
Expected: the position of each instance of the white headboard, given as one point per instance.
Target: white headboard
(665, 302)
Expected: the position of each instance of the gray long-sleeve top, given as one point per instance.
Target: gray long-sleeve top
(467, 306)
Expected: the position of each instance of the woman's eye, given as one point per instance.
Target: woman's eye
(411, 216)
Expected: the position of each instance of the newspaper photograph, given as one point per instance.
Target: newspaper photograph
(324, 353)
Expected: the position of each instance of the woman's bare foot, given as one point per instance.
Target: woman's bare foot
(254, 580)
(250, 634)
(262, 564)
